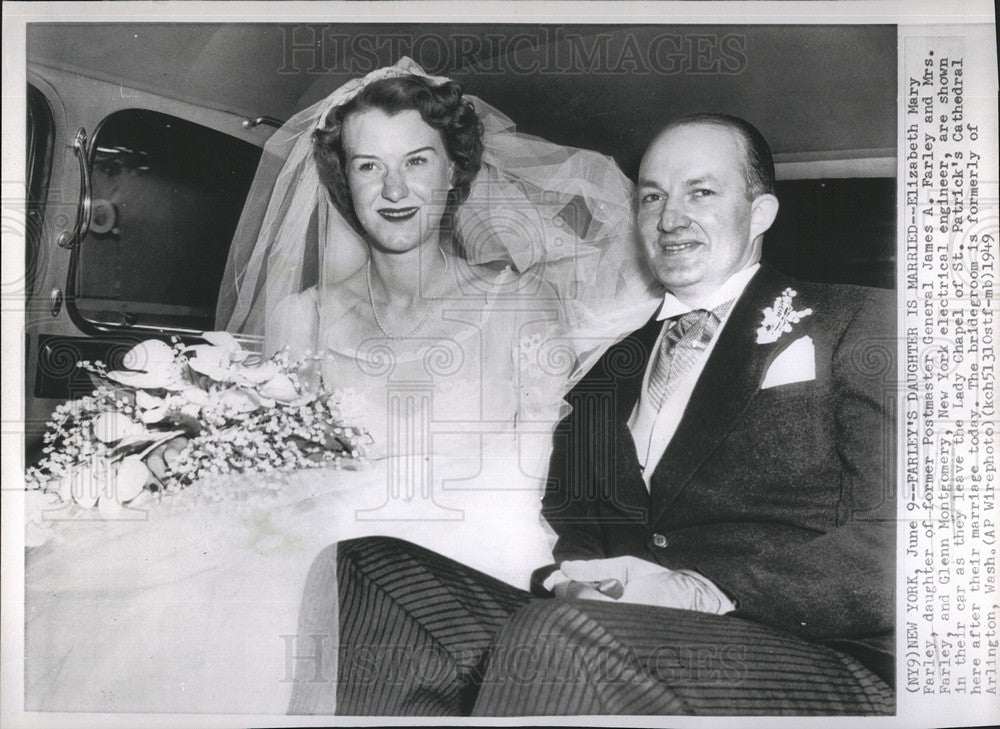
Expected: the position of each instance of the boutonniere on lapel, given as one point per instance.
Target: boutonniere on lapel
(779, 318)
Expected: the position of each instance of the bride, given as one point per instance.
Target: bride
(462, 277)
(450, 278)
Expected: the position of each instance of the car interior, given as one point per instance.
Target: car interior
(143, 139)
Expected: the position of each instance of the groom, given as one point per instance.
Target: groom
(723, 496)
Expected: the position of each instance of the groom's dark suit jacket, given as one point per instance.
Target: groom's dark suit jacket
(783, 497)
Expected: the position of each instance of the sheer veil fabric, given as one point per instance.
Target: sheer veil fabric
(558, 217)
(461, 409)
(196, 606)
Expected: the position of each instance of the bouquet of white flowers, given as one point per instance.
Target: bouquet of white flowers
(236, 411)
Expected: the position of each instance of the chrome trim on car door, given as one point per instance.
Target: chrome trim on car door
(70, 239)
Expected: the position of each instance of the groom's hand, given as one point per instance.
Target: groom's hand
(646, 583)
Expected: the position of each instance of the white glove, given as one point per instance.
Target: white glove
(645, 583)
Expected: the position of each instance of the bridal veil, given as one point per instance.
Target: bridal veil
(559, 214)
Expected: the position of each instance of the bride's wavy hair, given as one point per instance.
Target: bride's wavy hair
(441, 107)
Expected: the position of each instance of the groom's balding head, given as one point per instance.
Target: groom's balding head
(705, 199)
(758, 162)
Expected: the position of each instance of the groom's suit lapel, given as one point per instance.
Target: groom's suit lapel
(636, 350)
(731, 376)
(623, 368)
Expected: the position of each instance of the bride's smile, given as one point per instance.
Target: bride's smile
(437, 298)
(398, 215)
(399, 174)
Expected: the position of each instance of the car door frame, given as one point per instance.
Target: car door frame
(81, 101)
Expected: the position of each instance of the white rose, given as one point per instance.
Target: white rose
(223, 340)
(255, 374)
(223, 365)
(211, 361)
(148, 356)
(196, 396)
(191, 410)
(167, 378)
(238, 401)
(154, 415)
(280, 388)
(145, 401)
(131, 477)
(110, 427)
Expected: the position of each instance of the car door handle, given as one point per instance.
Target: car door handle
(251, 123)
(71, 238)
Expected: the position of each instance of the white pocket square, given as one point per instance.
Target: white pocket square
(797, 363)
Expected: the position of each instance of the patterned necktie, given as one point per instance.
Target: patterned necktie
(682, 343)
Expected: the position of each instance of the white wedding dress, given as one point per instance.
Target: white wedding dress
(192, 605)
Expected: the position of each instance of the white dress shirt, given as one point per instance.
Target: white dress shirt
(652, 430)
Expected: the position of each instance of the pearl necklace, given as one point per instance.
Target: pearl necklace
(378, 319)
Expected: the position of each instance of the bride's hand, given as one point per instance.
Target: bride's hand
(160, 460)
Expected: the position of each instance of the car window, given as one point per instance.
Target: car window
(836, 230)
(167, 194)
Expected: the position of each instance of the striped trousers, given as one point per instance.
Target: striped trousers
(422, 635)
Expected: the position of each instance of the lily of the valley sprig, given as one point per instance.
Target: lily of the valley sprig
(779, 318)
(237, 411)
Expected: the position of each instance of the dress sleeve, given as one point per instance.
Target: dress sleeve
(544, 362)
(537, 366)
(293, 323)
